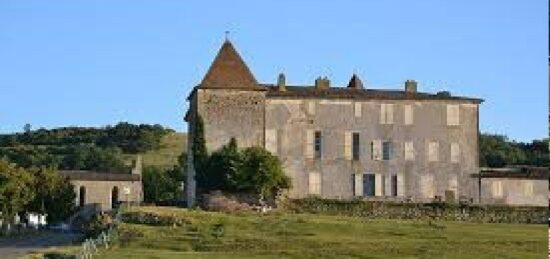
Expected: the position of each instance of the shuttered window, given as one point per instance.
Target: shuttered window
(387, 150)
(409, 151)
(347, 145)
(357, 109)
(318, 144)
(455, 152)
(311, 108)
(453, 115)
(376, 150)
(433, 151)
(355, 145)
(309, 144)
(409, 115)
(358, 184)
(386, 113)
(427, 186)
(314, 183)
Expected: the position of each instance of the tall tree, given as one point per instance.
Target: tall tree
(200, 153)
(15, 193)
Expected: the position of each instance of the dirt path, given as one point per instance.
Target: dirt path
(17, 247)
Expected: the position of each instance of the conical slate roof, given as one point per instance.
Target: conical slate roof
(228, 70)
(355, 82)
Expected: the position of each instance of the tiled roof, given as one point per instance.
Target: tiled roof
(228, 70)
(354, 93)
(99, 176)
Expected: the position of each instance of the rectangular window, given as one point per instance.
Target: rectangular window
(318, 142)
(408, 115)
(386, 113)
(400, 184)
(315, 183)
(355, 145)
(380, 182)
(453, 183)
(497, 188)
(433, 151)
(453, 115)
(455, 152)
(393, 185)
(357, 109)
(369, 184)
(427, 186)
(409, 151)
(271, 140)
(387, 150)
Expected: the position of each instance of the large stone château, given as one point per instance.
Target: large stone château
(343, 142)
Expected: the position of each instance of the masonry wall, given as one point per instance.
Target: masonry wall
(230, 113)
(530, 192)
(291, 118)
(100, 192)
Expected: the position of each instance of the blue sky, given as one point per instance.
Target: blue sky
(93, 63)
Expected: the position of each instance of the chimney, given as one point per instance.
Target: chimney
(281, 82)
(322, 83)
(410, 86)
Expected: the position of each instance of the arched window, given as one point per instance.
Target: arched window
(82, 196)
(114, 198)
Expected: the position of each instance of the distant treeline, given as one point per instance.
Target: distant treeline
(78, 148)
(499, 151)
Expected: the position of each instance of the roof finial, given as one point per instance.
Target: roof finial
(226, 35)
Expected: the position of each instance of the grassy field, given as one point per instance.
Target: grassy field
(172, 145)
(280, 235)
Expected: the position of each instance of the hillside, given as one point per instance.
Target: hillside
(171, 146)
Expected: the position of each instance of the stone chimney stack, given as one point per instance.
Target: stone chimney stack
(322, 83)
(410, 86)
(137, 167)
(281, 82)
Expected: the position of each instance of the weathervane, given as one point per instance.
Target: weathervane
(226, 35)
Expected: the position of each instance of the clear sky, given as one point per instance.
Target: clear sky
(93, 63)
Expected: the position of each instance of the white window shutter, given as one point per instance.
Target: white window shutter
(358, 186)
(497, 188)
(377, 149)
(357, 109)
(409, 151)
(427, 185)
(453, 115)
(347, 145)
(383, 113)
(453, 183)
(400, 185)
(433, 151)
(455, 152)
(271, 140)
(309, 145)
(389, 113)
(315, 183)
(378, 188)
(409, 117)
(311, 108)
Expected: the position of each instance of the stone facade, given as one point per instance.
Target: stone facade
(343, 142)
(105, 189)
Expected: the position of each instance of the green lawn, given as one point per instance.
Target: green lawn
(280, 235)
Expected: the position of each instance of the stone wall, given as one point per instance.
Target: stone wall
(100, 192)
(530, 192)
(291, 118)
(232, 113)
(420, 211)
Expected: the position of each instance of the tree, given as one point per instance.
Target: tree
(160, 185)
(199, 152)
(54, 194)
(222, 169)
(15, 193)
(261, 173)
